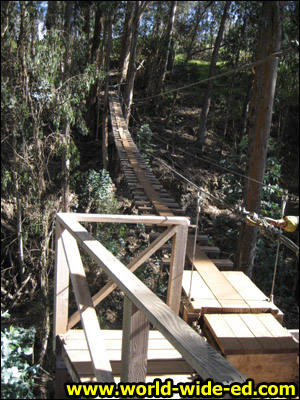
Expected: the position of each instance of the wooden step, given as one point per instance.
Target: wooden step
(257, 344)
(240, 294)
(223, 264)
(209, 250)
(201, 239)
(162, 357)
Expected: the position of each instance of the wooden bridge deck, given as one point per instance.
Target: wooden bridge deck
(162, 357)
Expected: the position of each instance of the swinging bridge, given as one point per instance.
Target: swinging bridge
(244, 336)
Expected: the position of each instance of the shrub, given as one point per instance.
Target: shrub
(17, 376)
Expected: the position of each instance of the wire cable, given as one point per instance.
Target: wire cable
(232, 71)
(209, 161)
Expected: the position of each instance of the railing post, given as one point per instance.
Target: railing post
(177, 267)
(61, 287)
(61, 303)
(134, 344)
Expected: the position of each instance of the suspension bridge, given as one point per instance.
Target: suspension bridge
(241, 329)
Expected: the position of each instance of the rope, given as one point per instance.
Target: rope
(195, 241)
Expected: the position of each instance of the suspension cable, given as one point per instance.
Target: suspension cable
(232, 71)
(209, 161)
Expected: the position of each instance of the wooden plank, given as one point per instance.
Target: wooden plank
(102, 367)
(61, 372)
(263, 335)
(132, 266)
(267, 367)
(200, 239)
(215, 280)
(281, 334)
(223, 334)
(210, 249)
(234, 306)
(203, 306)
(113, 339)
(128, 219)
(223, 264)
(176, 268)
(259, 306)
(83, 369)
(244, 286)
(134, 344)
(243, 333)
(198, 353)
(61, 288)
(162, 357)
(199, 289)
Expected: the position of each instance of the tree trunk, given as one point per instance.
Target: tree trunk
(260, 124)
(51, 15)
(19, 213)
(165, 47)
(126, 40)
(245, 112)
(194, 32)
(207, 98)
(105, 105)
(22, 48)
(97, 34)
(138, 11)
(152, 61)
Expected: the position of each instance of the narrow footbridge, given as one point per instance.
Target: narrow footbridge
(242, 333)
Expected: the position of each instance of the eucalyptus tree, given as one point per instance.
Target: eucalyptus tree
(270, 38)
(199, 12)
(44, 81)
(201, 134)
(139, 8)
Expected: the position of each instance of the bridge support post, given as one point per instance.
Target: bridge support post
(134, 344)
(61, 291)
(61, 373)
(177, 267)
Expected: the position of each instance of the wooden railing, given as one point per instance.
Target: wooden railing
(141, 305)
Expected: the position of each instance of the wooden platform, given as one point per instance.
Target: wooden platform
(162, 357)
(256, 344)
(215, 291)
(234, 292)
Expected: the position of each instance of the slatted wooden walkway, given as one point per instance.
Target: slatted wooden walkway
(215, 294)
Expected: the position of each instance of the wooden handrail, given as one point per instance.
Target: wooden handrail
(206, 361)
(95, 342)
(132, 266)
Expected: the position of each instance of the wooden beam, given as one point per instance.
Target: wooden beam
(176, 268)
(207, 362)
(134, 344)
(101, 364)
(222, 289)
(129, 219)
(132, 266)
(61, 288)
